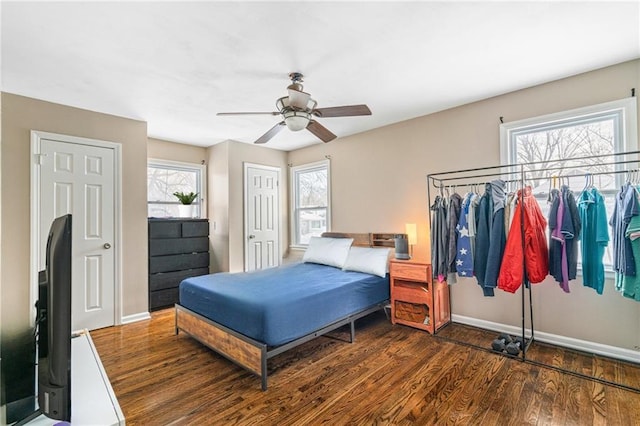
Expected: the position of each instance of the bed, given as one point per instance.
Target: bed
(251, 317)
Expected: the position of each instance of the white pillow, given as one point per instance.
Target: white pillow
(328, 251)
(369, 260)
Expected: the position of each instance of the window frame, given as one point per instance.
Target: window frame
(201, 181)
(294, 171)
(627, 125)
(624, 113)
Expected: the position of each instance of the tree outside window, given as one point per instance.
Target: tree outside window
(311, 194)
(578, 141)
(165, 178)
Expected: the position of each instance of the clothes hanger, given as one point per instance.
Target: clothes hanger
(552, 186)
(588, 184)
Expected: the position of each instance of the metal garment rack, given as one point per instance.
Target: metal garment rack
(520, 173)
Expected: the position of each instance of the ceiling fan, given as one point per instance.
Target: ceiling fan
(298, 111)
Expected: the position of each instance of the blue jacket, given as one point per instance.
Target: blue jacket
(497, 234)
(464, 255)
(483, 229)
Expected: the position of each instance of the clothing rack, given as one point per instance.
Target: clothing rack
(521, 174)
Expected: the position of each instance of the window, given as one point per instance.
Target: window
(311, 193)
(166, 177)
(573, 138)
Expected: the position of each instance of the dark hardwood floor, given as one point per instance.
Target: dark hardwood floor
(389, 375)
(588, 364)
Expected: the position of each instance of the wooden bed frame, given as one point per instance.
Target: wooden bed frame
(252, 354)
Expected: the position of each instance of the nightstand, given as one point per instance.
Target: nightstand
(416, 300)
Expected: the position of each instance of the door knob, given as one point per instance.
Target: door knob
(107, 246)
(251, 237)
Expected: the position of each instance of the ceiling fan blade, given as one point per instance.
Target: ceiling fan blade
(271, 133)
(342, 111)
(249, 113)
(320, 131)
(298, 99)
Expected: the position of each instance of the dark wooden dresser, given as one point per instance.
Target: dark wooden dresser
(178, 249)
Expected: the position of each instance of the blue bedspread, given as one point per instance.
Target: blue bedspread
(278, 305)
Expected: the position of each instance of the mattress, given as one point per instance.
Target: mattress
(278, 305)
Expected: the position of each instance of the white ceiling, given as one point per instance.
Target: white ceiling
(175, 65)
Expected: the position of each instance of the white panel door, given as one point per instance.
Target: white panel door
(262, 219)
(79, 179)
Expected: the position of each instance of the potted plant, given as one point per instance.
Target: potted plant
(185, 209)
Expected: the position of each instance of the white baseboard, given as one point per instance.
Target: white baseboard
(127, 319)
(554, 339)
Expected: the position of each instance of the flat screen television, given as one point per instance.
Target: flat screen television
(54, 324)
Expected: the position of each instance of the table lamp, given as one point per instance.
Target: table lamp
(412, 236)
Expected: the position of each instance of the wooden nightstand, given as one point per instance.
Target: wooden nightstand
(415, 300)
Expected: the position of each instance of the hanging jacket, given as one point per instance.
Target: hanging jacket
(555, 239)
(594, 238)
(630, 208)
(571, 228)
(483, 229)
(565, 226)
(464, 255)
(472, 220)
(535, 254)
(558, 264)
(439, 238)
(626, 207)
(497, 235)
(453, 216)
(630, 285)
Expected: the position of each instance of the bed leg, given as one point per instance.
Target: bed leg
(353, 332)
(263, 367)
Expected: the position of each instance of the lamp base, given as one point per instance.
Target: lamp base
(402, 247)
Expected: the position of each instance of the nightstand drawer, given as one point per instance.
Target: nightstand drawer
(411, 272)
(414, 294)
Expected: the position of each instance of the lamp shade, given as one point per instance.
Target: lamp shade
(412, 233)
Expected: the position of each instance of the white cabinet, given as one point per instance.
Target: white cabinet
(92, 399)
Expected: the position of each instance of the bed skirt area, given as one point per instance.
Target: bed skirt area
(244, 351)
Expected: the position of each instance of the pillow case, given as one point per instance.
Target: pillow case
(368, 260)
(327, 251)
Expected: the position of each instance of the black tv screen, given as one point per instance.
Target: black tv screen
(54, 324)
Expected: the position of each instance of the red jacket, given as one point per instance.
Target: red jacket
(535, 248)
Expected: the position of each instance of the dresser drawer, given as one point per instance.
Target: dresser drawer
(196, 228)
(178, 262)
(411, 271)
(177, 228)
(163, 280)
(164, 246)
(165, 229)
(162, 298)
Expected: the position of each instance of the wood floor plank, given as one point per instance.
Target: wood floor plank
(389, 375)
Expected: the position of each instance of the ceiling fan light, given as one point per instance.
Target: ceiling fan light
(296, 123)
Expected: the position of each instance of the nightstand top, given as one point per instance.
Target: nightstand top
(420, 262)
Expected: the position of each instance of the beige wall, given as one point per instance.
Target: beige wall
(379, 184)
(218, 205)
(226, 199)
(165, 150)
(20, 115)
